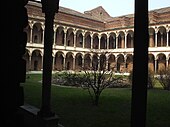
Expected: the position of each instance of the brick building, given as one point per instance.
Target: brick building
(78, 35)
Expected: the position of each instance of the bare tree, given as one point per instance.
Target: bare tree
(97, 77)
(164, 78)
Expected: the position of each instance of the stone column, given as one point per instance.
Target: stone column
(155, 69)
(167, 34)
(99, 41)
(116, 41)
(31, 28)
(43, 27)
(65, 37)
(74, 62)
(91, 42)
(83, 39)
(125, 41)
(107, 43)
(156, 38)
(75, 41)
(49, 8)
(140, 65)
(30, 68)
(54, 42)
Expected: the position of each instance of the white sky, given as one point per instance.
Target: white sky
(113, 7)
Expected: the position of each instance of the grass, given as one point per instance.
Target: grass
(74, 107)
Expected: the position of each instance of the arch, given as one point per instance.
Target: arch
(95, 62)
(162, 35)
(103, 41)
(37, 32)
(161, 62)
(28, 31)
(36, 60)
(59, 36)
(111, 62)
(102, 59)
(151, 37)
(121, 40)
(78, 62)
(130, 38)
(87, 61)
(112, 41)
(59, 61)
(70, 37)
(79, 38)
(129, 63)
(69, 61)
(87, 40)
(120, 63)
(151, 62)
(26, 57)
(95, 41)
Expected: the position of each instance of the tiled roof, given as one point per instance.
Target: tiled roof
(84, 15)
(76, 13)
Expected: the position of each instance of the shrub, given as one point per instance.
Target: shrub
(164, 78)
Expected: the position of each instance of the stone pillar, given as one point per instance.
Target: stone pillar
(75, 41)
(155, 69)
(43, 27)
(140, 65)
(31, 28)
(116, 41)
(53, 63)
(30, 68)
(167, 34)
(107, 43)
(65, 37)
(54, 42)
(125, 41)
(74, 62)
(99, 41)
(49, 8)
(91, 42)
(156, 38)
(167, 63)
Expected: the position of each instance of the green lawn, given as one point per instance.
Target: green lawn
(74, 107)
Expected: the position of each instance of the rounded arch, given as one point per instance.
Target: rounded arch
(87, 61)
(102, 59)
(112, 40)
(27, 57)
(121, 39)
(111, 62)
(79, 38)
(87, 40)
(95, 62)
(59, 61)
(36, 60)
(129, 63)
(59, 36)
(103, 41)
(161, 36)
(161, 62)
(151, 37)
(78, 62)
(95, 41)
(120, 63)
(69, 61)
(130, 39)
(70, 37)
(151, 62)
(37, 33)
